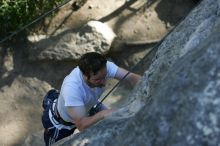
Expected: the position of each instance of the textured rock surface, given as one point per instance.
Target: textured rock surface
(95, 36)
(185, 111)
(176, 102)
(23, 83)
(189, 33)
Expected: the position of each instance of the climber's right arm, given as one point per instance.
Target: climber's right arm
(80, 118)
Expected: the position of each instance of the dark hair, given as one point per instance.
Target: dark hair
(91, 63)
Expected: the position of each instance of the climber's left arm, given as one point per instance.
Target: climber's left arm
(132, 78)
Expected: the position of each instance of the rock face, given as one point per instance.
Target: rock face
(177, 101)
(23, 83)
(184, 110)
(93, 37)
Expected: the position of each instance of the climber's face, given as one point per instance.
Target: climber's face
(97, 80)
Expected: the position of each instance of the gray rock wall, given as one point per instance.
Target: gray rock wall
(177, 101)
(185, 107)
(194, 30)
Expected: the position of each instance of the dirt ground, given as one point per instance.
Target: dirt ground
(24, 83)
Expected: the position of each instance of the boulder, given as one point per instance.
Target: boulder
(68, 45)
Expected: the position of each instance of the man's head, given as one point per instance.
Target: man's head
(93, 67)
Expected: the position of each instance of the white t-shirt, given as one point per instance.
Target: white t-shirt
(75, 92)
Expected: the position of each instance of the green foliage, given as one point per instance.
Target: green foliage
(16, 13)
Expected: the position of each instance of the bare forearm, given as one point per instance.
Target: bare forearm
(133, 78)
(85, 122)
